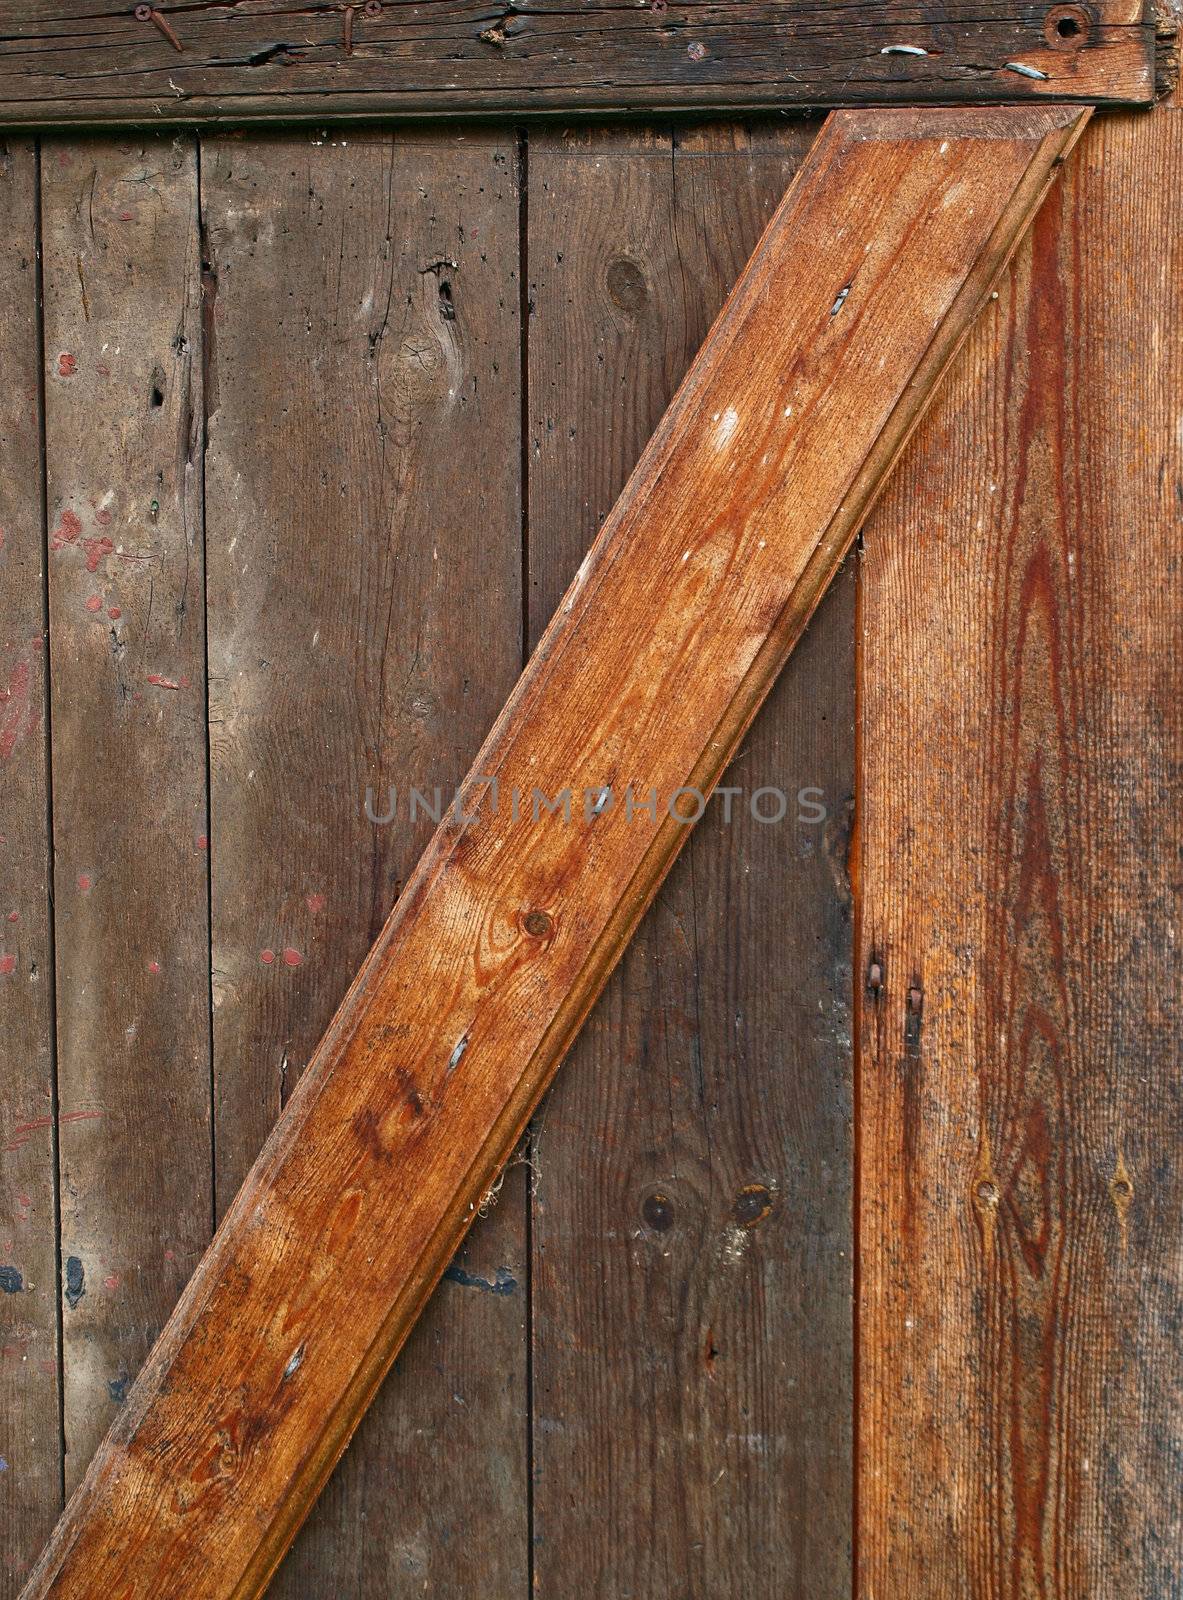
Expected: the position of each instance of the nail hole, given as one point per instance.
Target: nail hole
(1066, 27)
(658, 1212)
(447, 309)
(752, 1204)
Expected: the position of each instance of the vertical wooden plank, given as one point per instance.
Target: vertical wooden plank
(123, 436)
(691, 1225)
(365, 627)
(1021, 692)
(30, 1439)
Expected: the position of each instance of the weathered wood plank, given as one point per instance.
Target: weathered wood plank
(712, 562)
(30, 1435)
(364, 582)
(123, 436)
(186, 62)
(1022, 746)
(692, 1227)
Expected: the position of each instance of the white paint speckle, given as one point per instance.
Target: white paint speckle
(728, 423)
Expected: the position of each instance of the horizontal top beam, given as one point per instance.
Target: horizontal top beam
(195, 61)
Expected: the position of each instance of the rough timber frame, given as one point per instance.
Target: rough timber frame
(171, 62)
(712, 562)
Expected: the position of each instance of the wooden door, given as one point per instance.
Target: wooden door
(844, 1252)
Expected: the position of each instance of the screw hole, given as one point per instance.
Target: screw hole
(1067, 27)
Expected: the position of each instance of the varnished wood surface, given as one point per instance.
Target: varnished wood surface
(123, 430)
(362, 495)
(30, 1483)
(186, 62)
(691, 1166)
(505, 934)
(1021, 732)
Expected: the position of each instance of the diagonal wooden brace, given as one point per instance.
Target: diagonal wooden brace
(671, 635)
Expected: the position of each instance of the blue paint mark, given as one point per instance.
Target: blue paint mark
(75, 1281)
(3, 1464)
(503, 1282)
(117, 1388)
(10, 1280)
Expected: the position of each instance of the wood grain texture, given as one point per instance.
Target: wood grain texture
(123, 435)
(364, 577)
(1021, 694)
(30, 1439)
(714, 558)
(692, 1226)
(201, 62)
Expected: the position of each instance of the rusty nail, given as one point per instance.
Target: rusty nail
(538, 924)
(150, 14)
(875, 977)
(349, 30)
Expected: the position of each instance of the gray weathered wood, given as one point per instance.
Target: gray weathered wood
(259, 59)
(365, 626)
(691, 1282)
(30, 1443)
(123, 445)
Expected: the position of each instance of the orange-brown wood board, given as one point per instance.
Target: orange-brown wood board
(1020, 731)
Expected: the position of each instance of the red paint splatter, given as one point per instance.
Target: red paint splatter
(202, 842)
(84, 883)
(103, 518)
(154, 966)
(17, 717)
(94, 602)
(114, 613)
(291, 958)
(266, 957)
(184, 682)
(127, 216)
(96, 549)
(112, 1281)
(316, 903)
(24, 1131)
(36, 642)
(169, 1255)
(162, 682)
(7, 965)
(67, 365)
(14, 916)
(67, 530)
